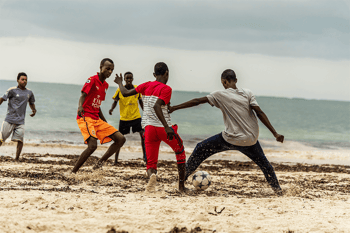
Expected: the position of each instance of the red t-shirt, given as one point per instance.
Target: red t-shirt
(151, 92)
(96, 93)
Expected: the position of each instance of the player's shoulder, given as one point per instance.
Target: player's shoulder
(246, 91)
(217, 92)
(29, 90)
(165, 86)
(11, 88)
(89, 80)
(92, 79)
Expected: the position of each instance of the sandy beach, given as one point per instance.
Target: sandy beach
(38, 194)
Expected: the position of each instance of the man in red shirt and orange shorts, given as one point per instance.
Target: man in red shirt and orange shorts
(90, 119)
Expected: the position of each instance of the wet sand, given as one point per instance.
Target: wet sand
(39, 194)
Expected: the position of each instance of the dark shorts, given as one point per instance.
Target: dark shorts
(124, 126)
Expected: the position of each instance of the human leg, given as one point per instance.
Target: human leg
(136, 126)
(124, 128)
(19, 149)
(204, 150)
(6, 130)
(119, 141)
(92, 146)
(18, 136)
(177, 145)
(256, 154)
(142, 136)
(152, 143)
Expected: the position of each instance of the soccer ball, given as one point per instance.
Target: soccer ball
(201, 180)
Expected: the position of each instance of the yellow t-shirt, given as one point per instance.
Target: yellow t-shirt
(128, 106)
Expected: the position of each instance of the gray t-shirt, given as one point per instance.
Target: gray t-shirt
(241, 124)
(17, 105)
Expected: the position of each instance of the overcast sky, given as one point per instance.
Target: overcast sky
(294, 48)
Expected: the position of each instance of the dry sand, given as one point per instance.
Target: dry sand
(38, 194)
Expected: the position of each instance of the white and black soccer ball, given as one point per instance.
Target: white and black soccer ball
(201, 180)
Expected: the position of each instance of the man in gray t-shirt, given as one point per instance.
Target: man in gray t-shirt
(241, 127)
(17, 97)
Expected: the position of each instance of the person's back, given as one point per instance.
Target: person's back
(157, 123)
(241, 124)
(241, 127)
(151, 91)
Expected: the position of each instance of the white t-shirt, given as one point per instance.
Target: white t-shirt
(241, 124)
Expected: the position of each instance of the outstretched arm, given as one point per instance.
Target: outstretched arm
(80, 105)
(32, 106)
(158, 109)
(115, 102)
(263, 118)
(1, 100)
(188, 104)
(125, 92)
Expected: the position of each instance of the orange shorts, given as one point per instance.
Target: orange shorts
(96, 128)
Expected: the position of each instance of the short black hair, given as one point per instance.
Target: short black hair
(128, 72)
(104, 60)
(229, 75)
(21, 74)
(160, 68)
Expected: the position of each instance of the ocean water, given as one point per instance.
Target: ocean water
(321, 123)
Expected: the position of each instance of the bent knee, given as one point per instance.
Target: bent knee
(92, 147)
(119, 138)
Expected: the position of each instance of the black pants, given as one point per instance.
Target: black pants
(216, 144)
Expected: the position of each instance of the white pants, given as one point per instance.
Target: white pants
(16, 130)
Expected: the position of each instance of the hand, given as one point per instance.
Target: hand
(110, 111)
(279, 137)
(33, 113)
(118, 79)
(171, 109)
(80, 111)
(170, 133)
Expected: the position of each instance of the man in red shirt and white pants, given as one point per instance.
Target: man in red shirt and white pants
(90, 119)
(156, 96)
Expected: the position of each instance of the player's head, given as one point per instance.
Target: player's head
(128, 78)
(228, 77)
(22, 79)
(106, 67)
(161, 70)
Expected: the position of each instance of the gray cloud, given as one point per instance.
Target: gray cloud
(318, 29)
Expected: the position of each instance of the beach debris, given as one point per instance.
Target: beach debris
(113, 230)
(217, 212)
(185, 230)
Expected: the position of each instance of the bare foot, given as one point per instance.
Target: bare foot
(279, 192)
(151, 186)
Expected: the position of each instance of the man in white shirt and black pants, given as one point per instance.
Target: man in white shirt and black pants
(242, 130)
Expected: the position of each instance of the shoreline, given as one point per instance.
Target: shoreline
(289, 152)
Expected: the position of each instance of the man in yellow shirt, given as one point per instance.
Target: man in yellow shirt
(130, 116)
